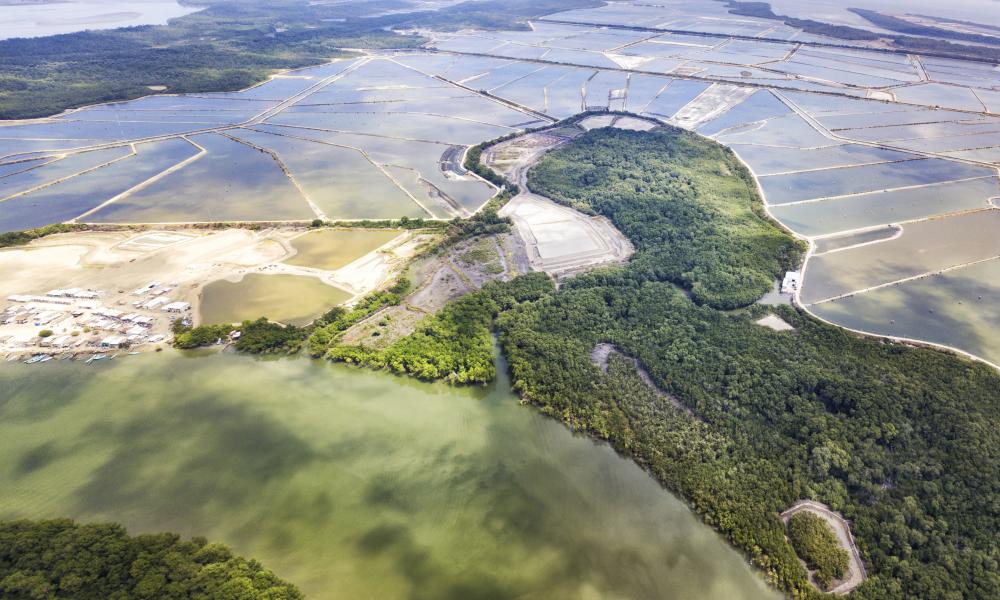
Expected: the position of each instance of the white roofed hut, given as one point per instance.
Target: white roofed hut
(177, 307)
(790, 284)
(113, 341)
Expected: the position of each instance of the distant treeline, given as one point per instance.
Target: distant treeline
(20, 238)
(903, 43)
(762, 10)
(42, 560)
(903, 26)
(229, 45)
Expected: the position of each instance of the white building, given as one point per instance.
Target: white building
(157, 303)
(790, 284)
(61, 341)
(113, 341)
(177, 307)
(110, 313)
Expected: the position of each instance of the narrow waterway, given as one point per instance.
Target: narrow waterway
(352, 484)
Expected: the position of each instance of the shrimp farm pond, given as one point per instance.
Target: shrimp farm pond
(841, 140)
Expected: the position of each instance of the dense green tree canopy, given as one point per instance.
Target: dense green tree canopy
(456, 344)
(904, 441)
(691, 209)
(816, 544)
(43, 560)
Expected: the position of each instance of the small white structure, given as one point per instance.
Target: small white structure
(24, 339)
(790, 284)
(99, 323)
(73, 293)
(146, 288)
(113, 341)
(177, 307)
(61, 341)
(45, 299)
(156, 303)
(47, 317)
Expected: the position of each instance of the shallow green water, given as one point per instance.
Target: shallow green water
(332, 249)
(352, 484)
(290, 299)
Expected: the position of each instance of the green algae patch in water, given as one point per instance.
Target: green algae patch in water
(289, 299)
(353, 484)
(331, 249)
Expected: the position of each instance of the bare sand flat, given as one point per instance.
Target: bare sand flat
(596, 122)
(561, 240)
(774, 322)
(556, 238)
(711, 103)
(125, 260)
(117, 262)
(618, 122)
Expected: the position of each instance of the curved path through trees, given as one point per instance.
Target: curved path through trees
(856, 572)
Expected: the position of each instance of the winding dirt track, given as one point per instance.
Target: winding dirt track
(841, 528)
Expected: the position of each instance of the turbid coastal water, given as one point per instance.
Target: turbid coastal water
(352, 484)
